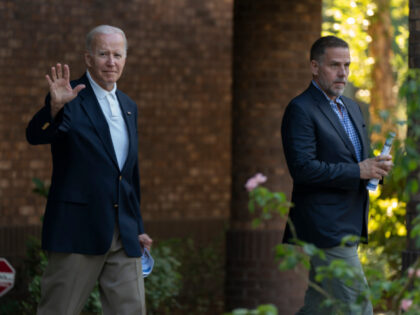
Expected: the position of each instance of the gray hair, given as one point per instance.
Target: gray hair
(104, 29)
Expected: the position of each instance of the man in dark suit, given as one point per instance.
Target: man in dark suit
(92, 228)
(326, 147)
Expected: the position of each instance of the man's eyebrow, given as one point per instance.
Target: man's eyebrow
(338, 61)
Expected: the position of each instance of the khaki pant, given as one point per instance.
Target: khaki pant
(69, 279)
(336, 287)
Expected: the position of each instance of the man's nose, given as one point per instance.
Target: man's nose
(342, 71)
(110, 60)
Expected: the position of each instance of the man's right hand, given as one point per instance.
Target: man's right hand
(376, 167)
(61, 91)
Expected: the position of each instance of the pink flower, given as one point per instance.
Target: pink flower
(255, 181)
(412, 272)
(406, 304)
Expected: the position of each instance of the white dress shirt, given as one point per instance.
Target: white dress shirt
(108, 102)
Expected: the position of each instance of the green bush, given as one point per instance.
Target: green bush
(199, 290)
(266, 309)
(164, 283)
(35, 264)
(9, 306)
(202, 270)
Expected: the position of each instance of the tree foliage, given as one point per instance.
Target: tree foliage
(351, 20)
(377, 32)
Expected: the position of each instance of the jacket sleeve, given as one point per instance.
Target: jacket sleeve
(300, 137)
(136, 186)
(43, 128)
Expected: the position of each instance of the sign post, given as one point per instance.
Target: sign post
(7, 276)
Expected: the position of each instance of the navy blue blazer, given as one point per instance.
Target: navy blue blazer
(88, 193)
(330, 200)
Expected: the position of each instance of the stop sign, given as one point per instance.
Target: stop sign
(7, 276)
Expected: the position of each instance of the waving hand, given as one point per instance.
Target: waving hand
(60, 89)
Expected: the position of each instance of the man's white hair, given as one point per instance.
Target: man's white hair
(104, 29)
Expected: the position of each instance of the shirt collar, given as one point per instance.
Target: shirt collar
(97, 89)
(337, 100)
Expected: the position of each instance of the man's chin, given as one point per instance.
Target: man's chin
(110, 81)
(337, 93)
(110, 78)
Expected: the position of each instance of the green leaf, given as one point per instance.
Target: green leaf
(310, 249)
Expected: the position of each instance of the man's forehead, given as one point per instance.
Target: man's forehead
(108, 39)
(107, 48)
(337, 51)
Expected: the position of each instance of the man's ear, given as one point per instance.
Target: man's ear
(314, 67)
(88, 59)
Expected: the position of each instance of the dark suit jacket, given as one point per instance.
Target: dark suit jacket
(330, 200)
(88, 193)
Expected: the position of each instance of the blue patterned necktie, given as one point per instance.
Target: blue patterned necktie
(348, 127)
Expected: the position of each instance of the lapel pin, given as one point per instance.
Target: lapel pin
(128, 113)
(45, 126)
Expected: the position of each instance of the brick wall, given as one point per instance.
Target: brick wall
(178, 71)
(272, 40)
(271, 65)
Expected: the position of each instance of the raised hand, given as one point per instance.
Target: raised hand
(60, 89)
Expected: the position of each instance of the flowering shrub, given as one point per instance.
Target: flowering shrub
(255, 181)
(262, 198)
(406, 304)
(401, 293)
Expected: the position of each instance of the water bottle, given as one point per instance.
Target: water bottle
(373, 183)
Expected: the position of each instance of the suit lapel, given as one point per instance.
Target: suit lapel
(326, 109)
(358, 122)
(130, 121)
(97, 118)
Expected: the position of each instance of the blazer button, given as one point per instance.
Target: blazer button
(120, 177)
(116, 205)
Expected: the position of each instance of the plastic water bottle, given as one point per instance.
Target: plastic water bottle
(373, 183)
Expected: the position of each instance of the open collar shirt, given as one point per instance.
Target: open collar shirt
(111, 109)
(345, 121)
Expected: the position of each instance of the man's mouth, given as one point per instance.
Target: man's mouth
(340, 85)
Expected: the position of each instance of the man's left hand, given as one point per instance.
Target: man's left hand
(145, 241)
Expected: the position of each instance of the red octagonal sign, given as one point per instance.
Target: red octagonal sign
(7, 276)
